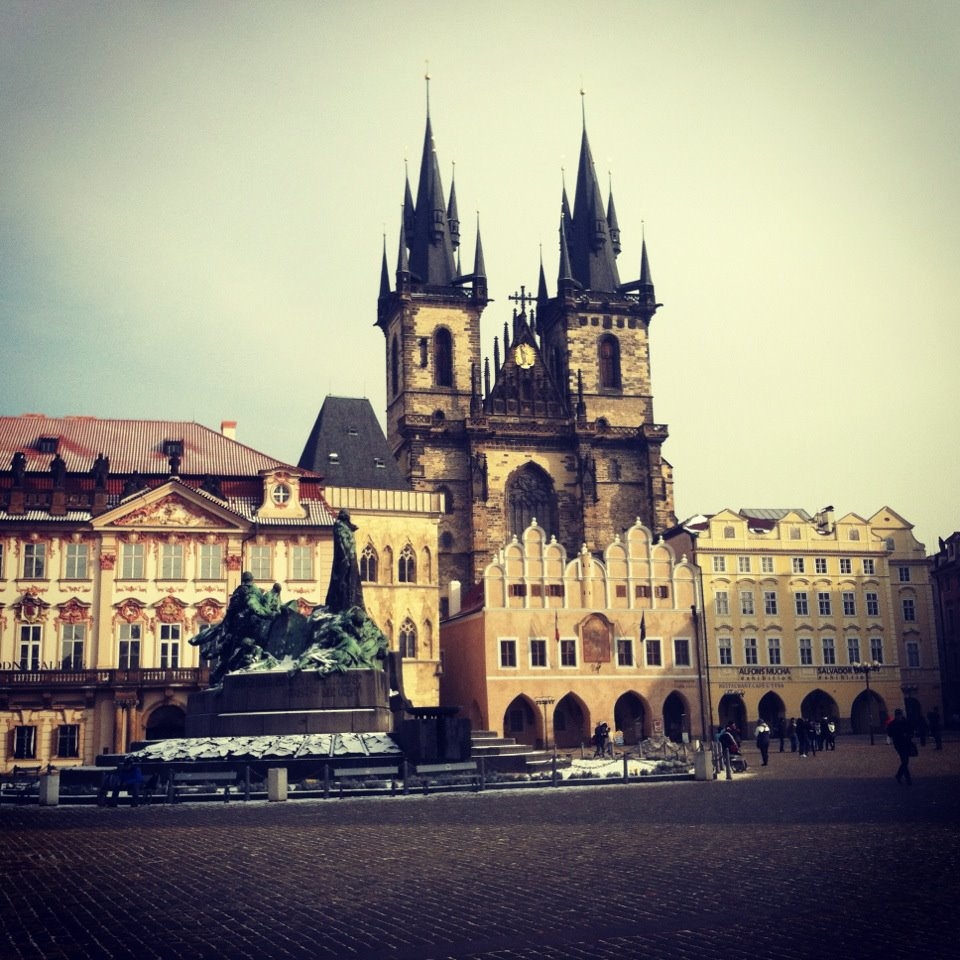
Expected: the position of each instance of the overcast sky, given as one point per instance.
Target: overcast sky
(193, 198)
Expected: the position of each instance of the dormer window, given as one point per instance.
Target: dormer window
(47, 444)
(280, 494)
(353, 431)
(379, 463)
(173, 448)
(333, 457)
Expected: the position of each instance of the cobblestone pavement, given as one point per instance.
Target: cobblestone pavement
(819, 857)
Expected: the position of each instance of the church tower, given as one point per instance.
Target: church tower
(559, 429)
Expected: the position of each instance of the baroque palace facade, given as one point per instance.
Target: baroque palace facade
(550, 462)
(814, 616)
(121, 539)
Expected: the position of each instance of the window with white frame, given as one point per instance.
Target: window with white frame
(132, 560)
(904, 574)
(171, 561)
(260, 561)
(773, 651)
(909, 610)
(849, 599)
(873, 604)
(876, 649)
(31, 643)
(770, 602)
(829, 651)
(34, 561)
(408, 641)
(624, 652)
(568, 653)
(766, 564)
(538, 652)
(654, 656)
(681, 652)
(128, 653)
(805, 645)
(72, 643)
(801, 603)
(869, 566)
(846, 565)
(746, 603)
(301, 561)
(719, 564)
(913, 653)
(725, 650)
(797, 564)
(853, 649)
(75, 560)
(743, 564)
(169, 646)
(211, 561)
(24, 742)
(721, 602)
(820, 564)
(823, 603)
(68, 740)
(750, 654)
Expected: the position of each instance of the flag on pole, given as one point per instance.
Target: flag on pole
(643, 627)
(556, 625)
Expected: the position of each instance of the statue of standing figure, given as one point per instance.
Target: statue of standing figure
(344, 591)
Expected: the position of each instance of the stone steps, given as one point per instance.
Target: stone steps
(506, 755)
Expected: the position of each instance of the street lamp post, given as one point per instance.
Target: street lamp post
(543, 703)
(866, 669)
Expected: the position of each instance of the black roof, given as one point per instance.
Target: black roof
(348, 448)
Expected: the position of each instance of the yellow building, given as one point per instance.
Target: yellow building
(551, 645)
(814, 616)
(121, 539)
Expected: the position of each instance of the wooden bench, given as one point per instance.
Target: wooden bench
(21, 782)
(456, 768)
(382, 772)
(178, 778)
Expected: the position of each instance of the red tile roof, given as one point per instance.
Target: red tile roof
(132, 446)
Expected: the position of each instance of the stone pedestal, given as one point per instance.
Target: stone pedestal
(270, 703)
(277, 783)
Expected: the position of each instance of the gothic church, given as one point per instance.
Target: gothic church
(558, 428)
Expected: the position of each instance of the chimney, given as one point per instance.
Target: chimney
(453, 597)
(229, 429)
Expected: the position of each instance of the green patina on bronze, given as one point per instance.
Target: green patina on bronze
(258, 632)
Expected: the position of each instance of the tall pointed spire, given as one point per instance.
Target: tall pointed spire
(612, 224)
(453, 218)
(592, 254)
(431, 246)
(384, 272)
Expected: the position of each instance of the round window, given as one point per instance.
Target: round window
(280, 493)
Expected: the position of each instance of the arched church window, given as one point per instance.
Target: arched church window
(609, 349)
(443, 358)
(368, 564)
(407, 566)
(408, 639)
(530, 496)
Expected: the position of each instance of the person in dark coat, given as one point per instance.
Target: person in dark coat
(936, 727)
(901, 736)
(763, 741)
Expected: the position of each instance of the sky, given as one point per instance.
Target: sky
(194, 199)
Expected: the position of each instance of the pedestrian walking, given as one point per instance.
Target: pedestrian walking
(763, 740)
(901, 736)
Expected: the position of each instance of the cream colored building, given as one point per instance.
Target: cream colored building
(121, 539)
(551, 645)
(804, 613)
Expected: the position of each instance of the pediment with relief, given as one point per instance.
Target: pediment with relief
(168, 511)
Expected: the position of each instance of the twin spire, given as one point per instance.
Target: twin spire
(428, 255)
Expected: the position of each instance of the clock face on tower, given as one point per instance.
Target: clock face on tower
(524, 356)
